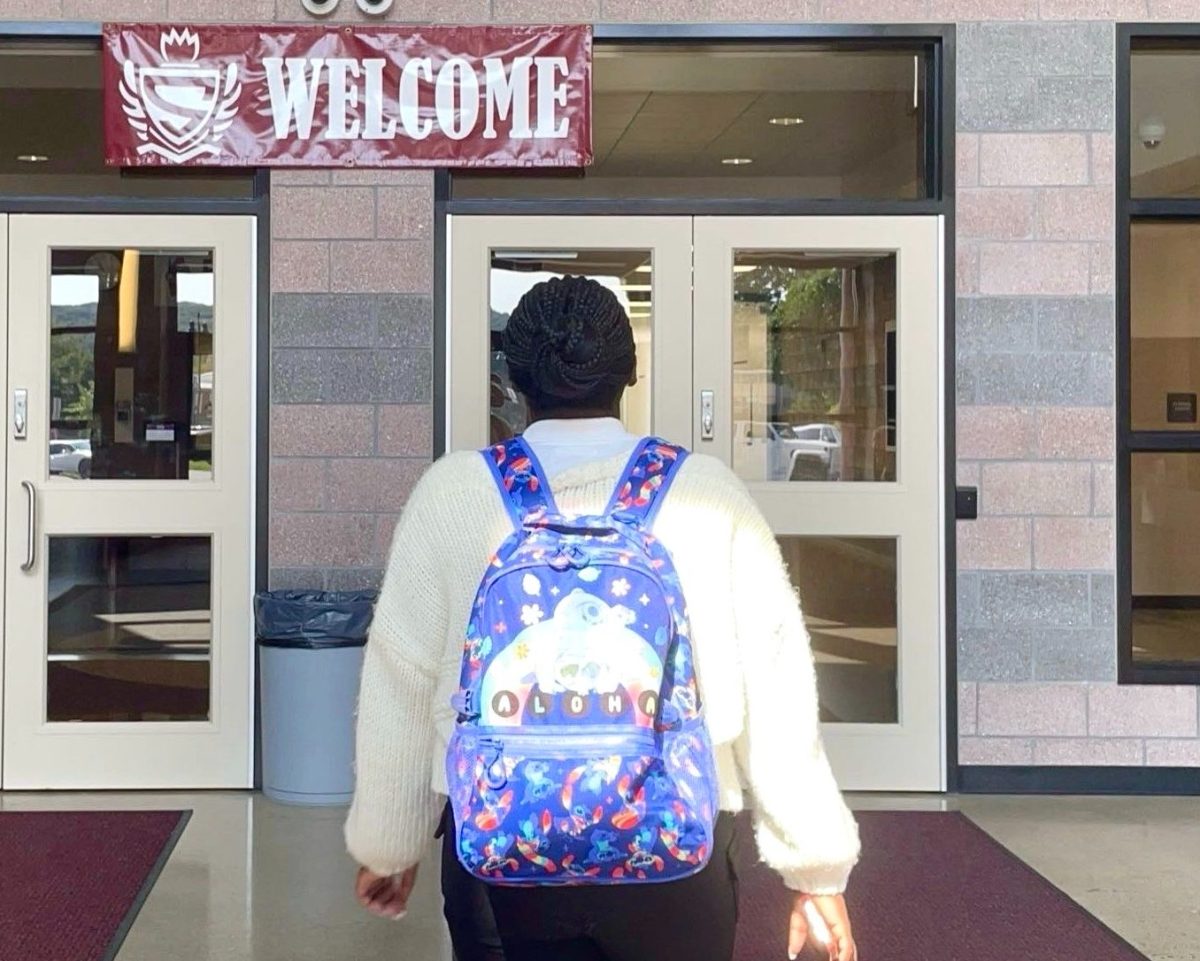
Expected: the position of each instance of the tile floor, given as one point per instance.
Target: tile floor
(255, 881)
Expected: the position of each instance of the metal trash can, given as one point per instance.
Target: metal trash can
(310, 657)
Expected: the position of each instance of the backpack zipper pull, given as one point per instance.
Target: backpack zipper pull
(493, 773)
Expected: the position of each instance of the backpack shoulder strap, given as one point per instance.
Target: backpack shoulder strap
(520, 479)
(644, 482)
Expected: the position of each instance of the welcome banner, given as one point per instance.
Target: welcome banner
(341, 96)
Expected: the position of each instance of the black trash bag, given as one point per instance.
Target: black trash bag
(313, 620)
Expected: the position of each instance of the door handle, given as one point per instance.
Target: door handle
(31, 527)
(706, 415)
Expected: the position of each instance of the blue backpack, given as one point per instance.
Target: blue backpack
(581, 754)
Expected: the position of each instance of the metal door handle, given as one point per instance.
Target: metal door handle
(31, 527)
(706, 415)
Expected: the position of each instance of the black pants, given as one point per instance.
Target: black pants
(689, 920)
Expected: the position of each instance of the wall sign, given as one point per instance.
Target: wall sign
(1181, 408)
(336, 96)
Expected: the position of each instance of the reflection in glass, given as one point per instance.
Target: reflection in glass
(131, 364)
(129, 629)
(628, 273)
(1164, 355)
(667, 120)
(1165, 529)
(814, 373)
(1164, 134)
(847, 588)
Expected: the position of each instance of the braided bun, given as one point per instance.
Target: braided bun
(569, 343)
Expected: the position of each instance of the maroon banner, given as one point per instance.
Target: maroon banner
(365, 96)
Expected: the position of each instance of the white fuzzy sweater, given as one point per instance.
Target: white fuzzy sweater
(752, 654)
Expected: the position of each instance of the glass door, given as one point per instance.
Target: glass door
(818, 348)
(647, 263)
(128, 630)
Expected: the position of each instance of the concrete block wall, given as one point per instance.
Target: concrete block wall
(352, 359)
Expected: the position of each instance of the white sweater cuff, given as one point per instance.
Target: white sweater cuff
(816, 881)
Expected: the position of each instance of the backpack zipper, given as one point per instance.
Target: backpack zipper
(562, 746)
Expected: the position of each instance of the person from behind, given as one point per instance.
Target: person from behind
(586, 658)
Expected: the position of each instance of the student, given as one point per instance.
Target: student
(570, 352)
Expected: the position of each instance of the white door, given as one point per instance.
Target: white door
(646, 261)
(816, 343)
(127, 630)
(820, 340)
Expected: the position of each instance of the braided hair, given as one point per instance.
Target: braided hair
(569, 343)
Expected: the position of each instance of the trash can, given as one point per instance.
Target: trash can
(310, 657)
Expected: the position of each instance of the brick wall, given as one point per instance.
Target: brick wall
(351, 368)
(351, 353)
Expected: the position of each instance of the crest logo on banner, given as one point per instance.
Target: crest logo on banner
(181, 108)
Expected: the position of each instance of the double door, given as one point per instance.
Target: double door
(128, 558)
(806, 353)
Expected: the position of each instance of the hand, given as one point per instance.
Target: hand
(385, 895)
(832, 909)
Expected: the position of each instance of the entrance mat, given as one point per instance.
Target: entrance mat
(935, 887)
(72, 882)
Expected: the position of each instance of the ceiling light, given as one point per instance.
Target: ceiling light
(786, 121)
(32, 158)
(535, 254)
(737, 161)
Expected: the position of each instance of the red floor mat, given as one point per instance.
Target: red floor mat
(71, 883)
(933, 887)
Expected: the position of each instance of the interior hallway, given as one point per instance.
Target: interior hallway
(255, 881)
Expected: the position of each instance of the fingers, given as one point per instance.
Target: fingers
(797, 930)
(384, 896)
(408, 881)
(387, 902)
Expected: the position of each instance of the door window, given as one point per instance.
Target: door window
(629, 274)
(810, 350)
(132, 379)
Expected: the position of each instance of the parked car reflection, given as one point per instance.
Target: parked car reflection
(71, 457)
(815, 452)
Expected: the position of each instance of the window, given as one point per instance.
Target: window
(1158, 359)
(728, 119)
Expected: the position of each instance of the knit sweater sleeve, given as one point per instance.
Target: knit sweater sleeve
(803, 827)
(394, 812)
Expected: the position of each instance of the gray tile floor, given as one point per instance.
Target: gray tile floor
(254, 881)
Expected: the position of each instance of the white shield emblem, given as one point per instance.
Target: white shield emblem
(181, 109)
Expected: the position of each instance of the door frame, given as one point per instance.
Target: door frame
(230, 721)
(257, 205)
(940, 84)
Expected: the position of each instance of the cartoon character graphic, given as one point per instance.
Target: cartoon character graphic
(575, 869)
(633, 804)
(585, 647)
(495, 808)
(497, 858)
(604, 849)
(641, 855)
(476, 650)
(590, 778)
(579, 819)
(538, 784)
(684, 839)
(468, 839)
(532, 841)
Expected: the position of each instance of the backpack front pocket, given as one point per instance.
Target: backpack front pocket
(576, 808)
